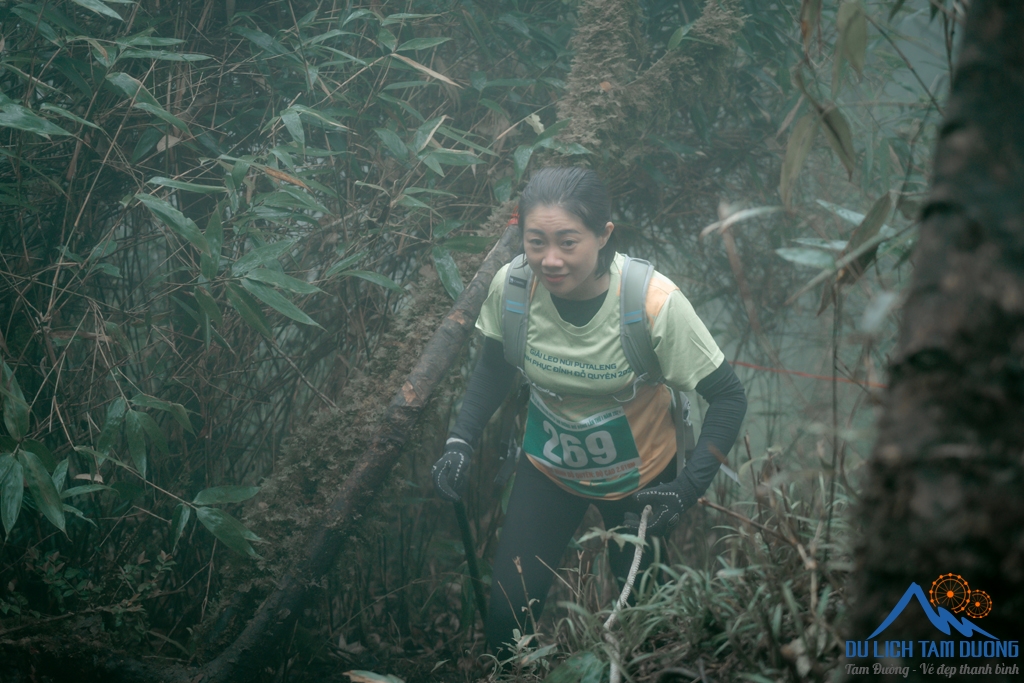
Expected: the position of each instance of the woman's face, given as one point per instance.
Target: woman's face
(563, 253)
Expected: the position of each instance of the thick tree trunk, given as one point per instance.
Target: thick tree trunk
(259, 645)
(946, 487)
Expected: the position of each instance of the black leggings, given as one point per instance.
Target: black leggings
(539, 522)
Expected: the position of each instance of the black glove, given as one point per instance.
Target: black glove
(451, 472)
(668, 503)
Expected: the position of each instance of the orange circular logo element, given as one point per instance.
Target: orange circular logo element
(979, 605)
(952, 592)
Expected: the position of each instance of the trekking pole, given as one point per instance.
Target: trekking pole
(470, 547)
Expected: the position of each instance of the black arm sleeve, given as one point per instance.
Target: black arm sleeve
(728, 404)
(489, 384)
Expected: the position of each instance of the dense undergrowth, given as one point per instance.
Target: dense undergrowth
(226, 230)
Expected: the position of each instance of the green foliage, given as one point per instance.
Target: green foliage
(208, 221)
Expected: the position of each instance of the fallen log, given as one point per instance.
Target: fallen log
(244, 658)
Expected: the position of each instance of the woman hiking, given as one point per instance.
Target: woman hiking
(596, 433)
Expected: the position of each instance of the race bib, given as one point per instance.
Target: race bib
(595, 457)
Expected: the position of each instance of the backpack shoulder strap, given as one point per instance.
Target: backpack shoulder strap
(634, 328)
(515, 310)
(635, 331)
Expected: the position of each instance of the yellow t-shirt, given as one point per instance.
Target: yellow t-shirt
(591, 428)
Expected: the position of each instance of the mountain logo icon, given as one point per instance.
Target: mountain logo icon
(949, 594)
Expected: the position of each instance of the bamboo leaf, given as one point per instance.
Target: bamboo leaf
(897, 6)
(210, 263)
(99, 8)
(265, 255)
(261, 40)
(82, 490)
(320, 116)
(428, 71)
(402, 17)
(430, 162)
(60, 473)
(818, 243)
(521, 157)
(111, 425)
(446, 227)
(810, 15)
(6, 463)
(358, 14)
(42, 452)
(422, 43)
(738, 217)
(797, 149)
(248, 308)
(454, 157)
(100, 457)
(277, 301)
(846, 214)
(282, 176)
(811, 258)
(852, 25)
(448, 272)
(132, 88)
(392, 142)
(149, 41)
(156, 436)
(16, 410)
(387, 39)
(228, 530)
(22, 118)
(151, 138)
(182, 513)
(208, 305)
(412, 203)
(189, 187)
(286, 197)
(344, 263)
(164, 55)
(177, 221)
(274, 277)
(872, 223)
(375, 278)
(293, 123)
(44, 493)
(678, 35)
(162, 114)
(177, 411)
(840, 138)
(12, 489)
(77, 513)
(60, 111)
(454, 135)
(425, 133)
(136, 441)
(225, 494)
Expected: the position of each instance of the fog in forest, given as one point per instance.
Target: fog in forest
(243, 247)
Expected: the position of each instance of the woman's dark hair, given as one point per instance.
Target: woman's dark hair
(578, 191)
